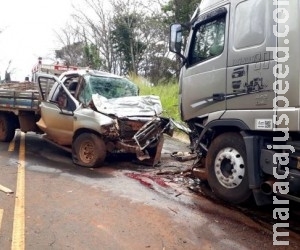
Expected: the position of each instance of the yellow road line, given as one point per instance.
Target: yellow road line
(11, 146)
(18, 234)
(1, 216)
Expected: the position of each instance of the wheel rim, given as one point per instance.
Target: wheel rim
(229, 167)
(87, 151)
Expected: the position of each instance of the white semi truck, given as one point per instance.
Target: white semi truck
(240, 96)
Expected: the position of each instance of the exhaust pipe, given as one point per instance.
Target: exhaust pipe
(267, 187)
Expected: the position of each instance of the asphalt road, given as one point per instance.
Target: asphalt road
(123, 205)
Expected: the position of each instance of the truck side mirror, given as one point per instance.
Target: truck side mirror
(175, 43)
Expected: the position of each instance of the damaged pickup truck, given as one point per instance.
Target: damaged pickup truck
(90, 114)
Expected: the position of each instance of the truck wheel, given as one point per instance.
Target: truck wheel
(227, 168)
(7, 128)
(89, 150)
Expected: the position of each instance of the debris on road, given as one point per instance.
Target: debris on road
(184, 156)
(172, 210)
(5, 190)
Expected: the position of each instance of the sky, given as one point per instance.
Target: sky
(28, 33)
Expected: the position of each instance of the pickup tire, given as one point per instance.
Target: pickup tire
(226, 164)
(7, 128)
(88, 150)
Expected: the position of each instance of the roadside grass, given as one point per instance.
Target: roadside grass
(168, 94)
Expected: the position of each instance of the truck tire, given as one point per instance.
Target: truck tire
(226, 164)
(88, 150)
(7, 128)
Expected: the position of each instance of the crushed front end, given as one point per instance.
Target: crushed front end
(140, 127)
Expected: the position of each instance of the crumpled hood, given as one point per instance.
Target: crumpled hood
(149, 105)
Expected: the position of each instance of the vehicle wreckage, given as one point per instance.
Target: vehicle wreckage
(88, 113)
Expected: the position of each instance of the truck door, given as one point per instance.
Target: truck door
(57, 115)
(203, 78)
(250, 65)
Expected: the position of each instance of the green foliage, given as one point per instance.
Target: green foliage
(180, 11)
(126, 43)
(130, 38)
(160, 71)
(92, 56)
(72, 54)
(168, 94)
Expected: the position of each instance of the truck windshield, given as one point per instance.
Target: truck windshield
(108, 87)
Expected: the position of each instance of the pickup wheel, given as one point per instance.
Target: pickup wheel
(227, 168)
(7, 128)
(89, 150)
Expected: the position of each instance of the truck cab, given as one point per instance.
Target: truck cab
(239, 95)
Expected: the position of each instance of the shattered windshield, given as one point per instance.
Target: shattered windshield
(111, 87)
(108, 87)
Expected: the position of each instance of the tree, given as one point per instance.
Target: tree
(72, 51)
(96, 33)
(127, 36)
(177, 11)
(140, 38)
(157, 65)
(92, 55)
(126, 41)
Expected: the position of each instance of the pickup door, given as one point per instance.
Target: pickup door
(57, 115)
